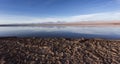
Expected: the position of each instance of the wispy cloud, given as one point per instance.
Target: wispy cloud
(97, 17)
(8, 19)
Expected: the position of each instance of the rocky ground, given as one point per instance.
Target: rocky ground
(58, 51)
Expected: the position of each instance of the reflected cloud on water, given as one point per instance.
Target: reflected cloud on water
(61, 31)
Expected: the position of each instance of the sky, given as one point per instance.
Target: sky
(40, 11)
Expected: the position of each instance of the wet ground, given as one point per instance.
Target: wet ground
(59, 51)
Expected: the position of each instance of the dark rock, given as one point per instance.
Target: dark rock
(59, 51)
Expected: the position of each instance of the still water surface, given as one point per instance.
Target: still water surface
(61, 31)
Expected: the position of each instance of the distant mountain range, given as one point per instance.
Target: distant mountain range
(61, 23)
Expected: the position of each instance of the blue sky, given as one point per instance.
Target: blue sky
(36, 11)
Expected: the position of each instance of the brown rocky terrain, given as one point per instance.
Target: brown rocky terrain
(59, 51)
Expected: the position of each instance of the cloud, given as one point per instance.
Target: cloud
(97, 17)
(8, 19)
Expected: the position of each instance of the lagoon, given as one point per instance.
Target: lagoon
(105, 32)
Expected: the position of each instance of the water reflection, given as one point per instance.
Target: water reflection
(61, 31)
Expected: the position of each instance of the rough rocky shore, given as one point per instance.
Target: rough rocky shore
(59, 51)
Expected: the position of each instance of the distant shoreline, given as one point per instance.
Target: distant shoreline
(56, 38)
(64, 24)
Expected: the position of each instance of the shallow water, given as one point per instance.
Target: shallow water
(61, 31)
